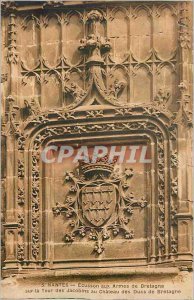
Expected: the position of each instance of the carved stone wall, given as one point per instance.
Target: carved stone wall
(83, 74)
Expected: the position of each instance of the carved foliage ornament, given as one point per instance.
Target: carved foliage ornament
(184, 114)
(99, 203)
(32, 106)
(127, 125)
(12, 54)
(184, 30)
(93, 47)
(8, 6)
(10, 124)
(162, 98)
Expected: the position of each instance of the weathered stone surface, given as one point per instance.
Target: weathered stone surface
(90, 74)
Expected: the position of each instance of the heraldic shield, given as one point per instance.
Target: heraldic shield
(98, 202)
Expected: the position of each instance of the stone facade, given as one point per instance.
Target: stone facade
(83, 73)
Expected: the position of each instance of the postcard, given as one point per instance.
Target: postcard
(96, 150)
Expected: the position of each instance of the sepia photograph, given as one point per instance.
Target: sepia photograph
(96, 150)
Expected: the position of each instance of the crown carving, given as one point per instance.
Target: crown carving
(101, 165)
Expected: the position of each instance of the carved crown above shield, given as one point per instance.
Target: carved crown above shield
(99, 203)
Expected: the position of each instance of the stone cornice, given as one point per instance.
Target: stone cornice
(9, 6)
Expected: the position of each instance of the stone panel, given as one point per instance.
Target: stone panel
(86, 75)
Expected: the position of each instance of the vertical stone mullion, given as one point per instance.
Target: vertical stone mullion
(12, 55)
(11, 163)
(11, 221)
(184, 218)
(184, 69)
(154, 194)
(10, 191)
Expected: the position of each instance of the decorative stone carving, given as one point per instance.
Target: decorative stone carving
(21, 196)
(174, 245)
(66, 115)
(102, 70)
(162, 98)
(50, 4)
(21, 224)
(174, 159)
(184, 114)
(33, 107)
(93, 47)
(173, 215)
(8, 6)
(185, 35)
(20, 140)
(10, 124)
(75, 91)
(20, 252)
(94, 114)
(174, 185)
(111, 206)
(20, 169)
(120, 127)
(123, 72)
(3, 77)
(35, 204)
(12, 54)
